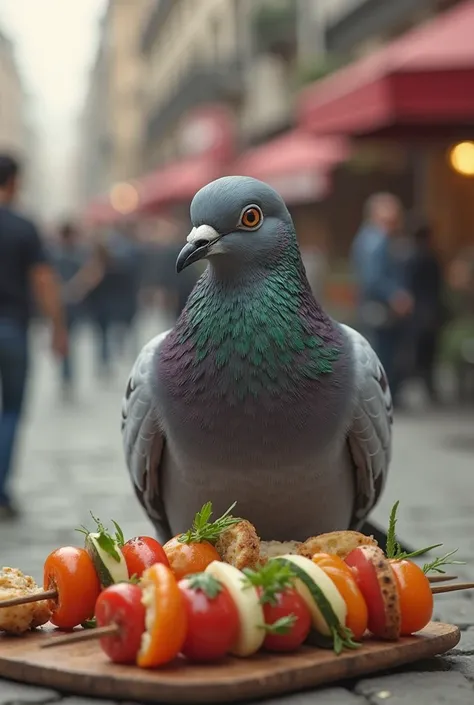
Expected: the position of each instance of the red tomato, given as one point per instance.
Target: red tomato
(71, 572)
(416, 598)
(141, 553)
(289, 605)
(188, 558)
(213, 619)
(121, 605)
(376, 581)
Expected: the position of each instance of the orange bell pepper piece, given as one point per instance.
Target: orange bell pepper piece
(165, 620)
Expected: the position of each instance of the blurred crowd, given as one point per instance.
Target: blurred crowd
(409, 303)
(107, 277)
(102, 279)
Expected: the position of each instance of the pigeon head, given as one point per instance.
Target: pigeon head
(238, 218)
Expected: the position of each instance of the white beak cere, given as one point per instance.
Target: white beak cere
(202, 233)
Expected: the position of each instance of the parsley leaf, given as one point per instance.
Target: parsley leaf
(205, 530)
(273, 578)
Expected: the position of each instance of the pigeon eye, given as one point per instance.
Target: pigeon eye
(251, 218)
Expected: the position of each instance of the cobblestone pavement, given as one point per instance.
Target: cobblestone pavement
(71, 462)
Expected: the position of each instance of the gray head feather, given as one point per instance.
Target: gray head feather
(220, 205)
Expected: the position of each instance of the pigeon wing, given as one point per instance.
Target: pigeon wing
(142, 436)
(370, 431)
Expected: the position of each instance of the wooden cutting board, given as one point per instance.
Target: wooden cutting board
(83, 669)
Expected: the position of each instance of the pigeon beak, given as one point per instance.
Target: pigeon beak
(199, 242)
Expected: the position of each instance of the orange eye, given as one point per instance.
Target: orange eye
(251, 218)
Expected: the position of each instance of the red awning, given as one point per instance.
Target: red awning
(176, 183)
(297, 164)
(424, 79)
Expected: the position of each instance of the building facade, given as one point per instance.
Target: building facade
(112, 121)
(233, 52)
(16, 136)
(12, 125)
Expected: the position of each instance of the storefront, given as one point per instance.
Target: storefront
(415, 93)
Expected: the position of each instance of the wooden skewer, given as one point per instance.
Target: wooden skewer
(25, 599)
(441, 578)
(85, 635)
(111, 629)
(451, 588)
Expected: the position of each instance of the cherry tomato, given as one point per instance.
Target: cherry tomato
(141, 553)
(414, 593)
(376, 581)
(213, 618)
(121, 605)
(71, 572)
(287, 605)
(188, 558)
(165, 619)
(343, 578)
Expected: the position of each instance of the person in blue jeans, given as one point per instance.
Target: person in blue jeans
(24, 274)
(380, 256)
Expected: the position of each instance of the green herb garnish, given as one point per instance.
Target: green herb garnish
(343, 639)
(281, 626)
(435, 565)
(106, 541)
(205, 530)
(205, 583)
(394, 550)
(273, 578)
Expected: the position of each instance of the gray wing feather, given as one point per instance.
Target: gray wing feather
(143, 441)
(370, 432)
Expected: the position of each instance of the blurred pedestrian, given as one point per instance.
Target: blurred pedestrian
(426, 287)
(68, 257)
(125, 260)
(379, 256)
(24, 271)
(93, 286)
(460, 332)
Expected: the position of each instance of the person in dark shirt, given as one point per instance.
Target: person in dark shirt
(426, 288)
(24, 272)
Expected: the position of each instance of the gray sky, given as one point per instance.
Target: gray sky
(55, 44)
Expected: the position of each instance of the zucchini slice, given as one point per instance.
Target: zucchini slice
(251, 633)
(109, 569)
(327, 607)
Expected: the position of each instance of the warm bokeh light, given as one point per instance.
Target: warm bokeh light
(462, 158)
(124, 198)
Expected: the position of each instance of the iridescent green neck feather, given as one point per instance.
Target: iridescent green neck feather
(266, 333)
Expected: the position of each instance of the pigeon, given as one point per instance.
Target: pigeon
(256, 395)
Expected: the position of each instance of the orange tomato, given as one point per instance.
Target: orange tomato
(166, 617)
(188, 558)
(71, 572)
(343, 579)
(416, 598)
